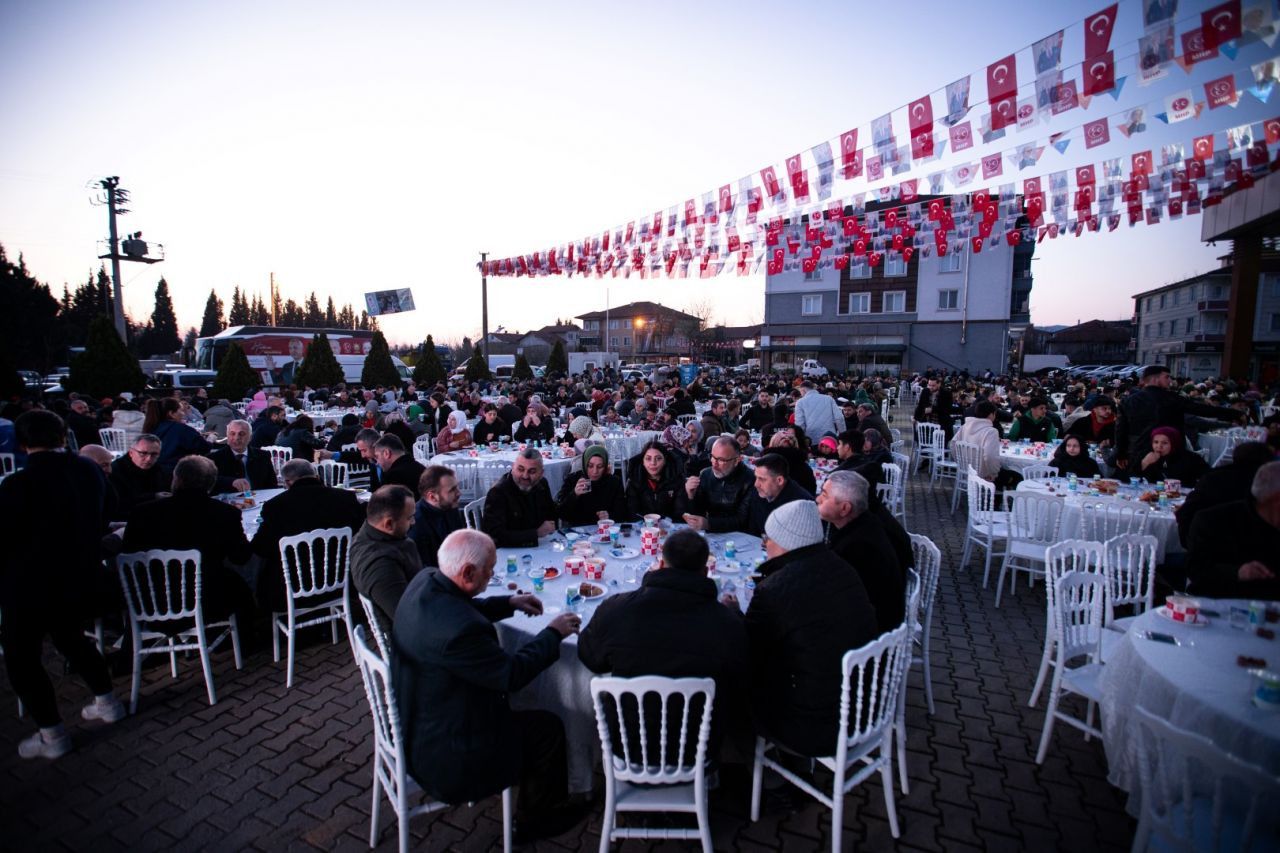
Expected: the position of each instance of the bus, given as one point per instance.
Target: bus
(275, 352)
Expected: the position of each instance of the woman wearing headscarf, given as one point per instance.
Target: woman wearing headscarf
(592, 493)
(1169, 459)
(256, 405)
(654, 482)
(1072, 457)
(581, 430)
(455, 436)
(300, 437)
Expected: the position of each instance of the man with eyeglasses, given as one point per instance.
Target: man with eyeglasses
(135, 476)
(713, 500)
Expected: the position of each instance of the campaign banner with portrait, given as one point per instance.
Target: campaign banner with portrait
(389, 301)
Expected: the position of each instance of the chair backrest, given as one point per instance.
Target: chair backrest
(316, 562)
(113, 439)
(388, 739)
(1079, 599)
(928, 563)
(924, 433)
(1039, 472)
(488, 473)
(474, 513)
(967, 455)
(1194, 793)
(424, 448)
(1063, 558)
(332, 473)
(870, 687)
(377, 626)
(347, 447)
(982, 498)
(1130, 563)
(895, 435)
(912, 589)
(465, 470)
(892, 474)
(279, 455)
(1035, 518)
(938, 442)
(7, 464)
(684, 419)
(161, 586)
(679, 706)
(1107, 519)
(902, 460)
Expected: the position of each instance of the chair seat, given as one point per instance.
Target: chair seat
(647, 798)
(1027, 550)
(998, 530)
(1085, 680)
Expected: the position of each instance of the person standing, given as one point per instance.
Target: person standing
(818, 414)
(935, 406)
(1152, 406)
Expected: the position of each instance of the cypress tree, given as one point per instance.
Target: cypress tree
(378, 367)
(477, 367)
(240, 314)
(235, 379)
(105, 368)
(558, 362)
(212, 322)
(320, 368)
(427, 369)
(522, 370)
(163, 334)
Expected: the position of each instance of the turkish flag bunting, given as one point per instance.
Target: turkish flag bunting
(1195, 169)
(1141, 163)
(1097, 30)
(1271, 127)
(851, 226)
(1202, 147)
(842, 261)
(936, 208)
(850, 157)
(726, 199)
(1085, 176)
(1002, 79)
(920, 119)
(922, 146)
(1256, 155)
(1220, 24)
(769, 177)
(1004, 112)
(799, 177)
(1099, 74)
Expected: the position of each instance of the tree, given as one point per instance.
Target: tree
(378, 367)
(477, 367)
(291, 315)
(240, 313)
(28, 317)
(346, 318)
(320, 368)
(212, 322)
(330, 315)
(258, 314)
(558, 362)
(236, 379)
(522, 370)
(427, 369)
(315, 317)
(105, 368)
(189, 346)
(163, 329)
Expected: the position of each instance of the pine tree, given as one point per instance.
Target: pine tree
(346, 318)
(236, 379)
(29, 317)
(290, 315)
(240, 315)
(427, 369)
(258, 314)
(320, 368)
(277, 310)
(212, 322)
(105, 368)
(163, 336)
(104, 299)
(477, 367)
(314, 318)
(330, 316)
(522, 370)
(558, 362)
(379, 369)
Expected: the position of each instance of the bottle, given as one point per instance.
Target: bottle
(730, 550)
(748, 590)
(1073, 483)
(511, 566)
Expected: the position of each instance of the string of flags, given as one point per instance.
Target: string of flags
(742, 230)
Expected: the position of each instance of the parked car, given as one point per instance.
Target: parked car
(812, 368)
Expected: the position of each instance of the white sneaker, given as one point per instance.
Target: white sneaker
(37, 746)
(109, 709)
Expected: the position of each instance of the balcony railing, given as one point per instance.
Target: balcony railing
(1212, 305)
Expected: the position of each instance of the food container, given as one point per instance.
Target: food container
(1183, 608)
(1257, 614)
(573, 565)
(1266, 691)
(594, 568)
(651, 520)
(603, 526)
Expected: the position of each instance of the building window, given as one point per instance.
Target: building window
(626, 342)
(613, 342)
(859, 268)
(614, 324)
(1177, 297)
(1190, 325)
(951, 262)
(1146, 330)
(859, 303)
(1160, 329)
(811, 304)
(894, 265)
(895, 302)
(815, 275)
(948, 300)
(1162, 299)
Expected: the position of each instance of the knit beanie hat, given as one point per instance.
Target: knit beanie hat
(581, 426)
(595, 450)
(794, 525)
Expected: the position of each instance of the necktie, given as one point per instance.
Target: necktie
(244, 464)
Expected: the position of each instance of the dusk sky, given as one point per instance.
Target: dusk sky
(354, 147)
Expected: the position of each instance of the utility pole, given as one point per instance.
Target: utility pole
(484, 308)
(275, 321)
(111, 185)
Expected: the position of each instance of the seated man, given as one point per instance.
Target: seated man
(673, 626)
(191, 520)
(1232, 482)
(241, 467)
(519, 509)
(1235, 548)
(490, 427)
(267, 426)
(436, 514)
(383, 558)
(712, 500)
(307, 504)
(774, 488)
(592, 493)
(808, 611)
(857, 536)
(869, 418)
(452, 679)
(536, 425)
(395, 466)
(136, 477)
(849, 446)
(1034, 424)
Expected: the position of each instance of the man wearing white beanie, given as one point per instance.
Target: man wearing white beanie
(809, 609)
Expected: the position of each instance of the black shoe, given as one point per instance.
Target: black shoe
(555, 822)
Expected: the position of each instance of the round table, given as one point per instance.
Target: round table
(554, 470)
(1161, 524)
(1196, 686)
(250, 518)
(1016, 456)
(565, 688)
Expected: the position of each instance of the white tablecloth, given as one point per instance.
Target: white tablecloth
(250, 518)
(565, 688)
(1196, 686)
(554, 470)
(1015, 457)
(1161, 523)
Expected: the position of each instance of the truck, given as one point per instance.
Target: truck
(581, 362)
(1037, 363)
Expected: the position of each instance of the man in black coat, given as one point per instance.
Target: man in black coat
(773, 488)
(809, 609)
(383, 558)
(856, 535)
(673, 626)
(935, 406)
(241, 467)
(759, 415)
(1154, 405)
(82, 424)
(1223, 485)
(267, 426)
(713, 500)
(136, 477)
(869, 418)
(307, 504)
(1235, 548)
(519, 508)
(452, 679)
(436, 514)
(490, 427)
(395, 466)
(191, 520)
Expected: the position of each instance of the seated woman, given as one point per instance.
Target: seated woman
(786, 443)
(653, 483)
(455, 436)
(164, 421)
(300, 436)
(1169, 459)
(581, 430)
(592, 493)
(745, 447)
(536, 425)
(1072, 457)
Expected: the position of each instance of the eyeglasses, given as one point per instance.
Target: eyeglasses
(146, 454)
(724, 458)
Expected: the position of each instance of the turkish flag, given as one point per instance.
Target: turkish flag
(769, 177)
(1004, 112)
(1100, 74)
(1202, 147)
(1195, 169)
(1002, 80)
(1096, 133)
(851, 226)
(1271, 127)
(690, 218)
(1085, 176)
(842, 261)
(1031, 187)
(1221, 92)
(850, 157)
(1220, 24)
(726, 199)
(799, 178)
(922, 146)
(1097, 30)
(1256, 155)
(936, 207)
(1141, 164)
(920, 120)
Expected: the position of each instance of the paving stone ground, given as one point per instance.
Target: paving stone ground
(273, 770)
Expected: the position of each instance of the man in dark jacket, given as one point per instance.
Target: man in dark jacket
(436, 514)
(1223, 485)
(1235, 548)
(869, 418)
(307, 504)
(1154, 405)
(809, 609)
(345, 433)
(713, 419)
(136, 477)
(935, 406)
(241, 467)
(395, 466)
(773, 488)
(267, 426)
(383, 558)
(856, 535)
(452, 680)
(760, 414)
(519, 508)
(490, 427)
(713, 500)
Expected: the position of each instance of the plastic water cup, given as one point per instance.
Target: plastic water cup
(538, 576)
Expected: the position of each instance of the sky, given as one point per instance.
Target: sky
(356, 147)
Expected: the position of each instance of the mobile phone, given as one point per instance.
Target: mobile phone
(1162, 638)
(626, 528)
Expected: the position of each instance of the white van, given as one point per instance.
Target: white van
(812, 368)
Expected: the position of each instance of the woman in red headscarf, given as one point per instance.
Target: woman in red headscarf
(1169, 459)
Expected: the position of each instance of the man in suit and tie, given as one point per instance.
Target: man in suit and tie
(241, 467)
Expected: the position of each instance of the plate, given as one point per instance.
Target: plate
(591, 591)
(1164, 611)
(623, 553)
(728, 567)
